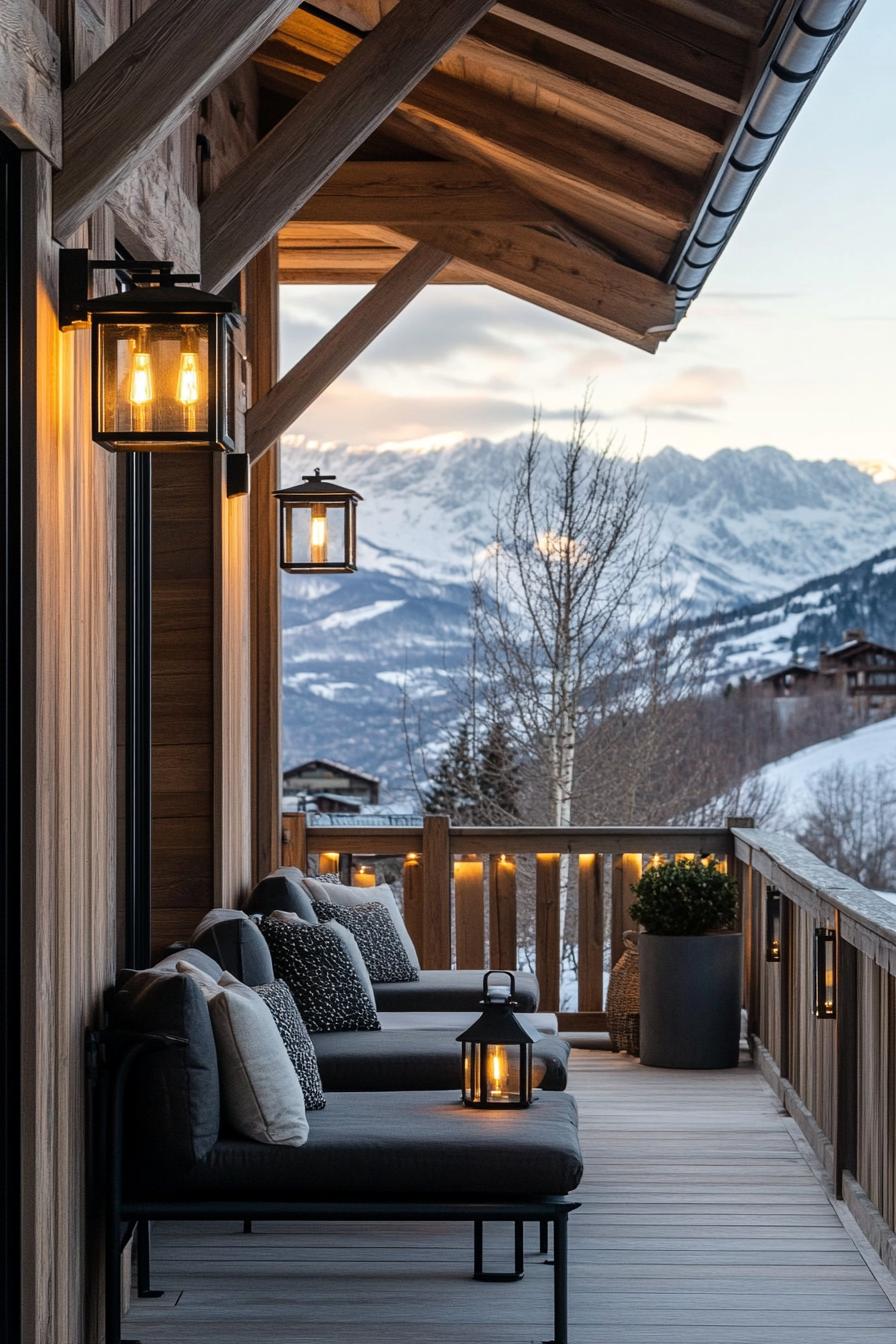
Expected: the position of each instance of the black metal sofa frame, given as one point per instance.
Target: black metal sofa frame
(111, 1055)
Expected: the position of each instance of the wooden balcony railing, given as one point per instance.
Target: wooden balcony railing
(492, 896)
(836, 1076)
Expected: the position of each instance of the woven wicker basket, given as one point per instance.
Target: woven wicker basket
(623, 995)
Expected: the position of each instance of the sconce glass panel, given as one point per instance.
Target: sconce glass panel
(773, 924)
(825, 973)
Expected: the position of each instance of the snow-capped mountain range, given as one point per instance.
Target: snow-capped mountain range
(741, 528)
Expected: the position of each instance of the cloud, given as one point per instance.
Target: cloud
(691, 393)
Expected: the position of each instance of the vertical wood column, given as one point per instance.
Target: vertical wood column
(294, 842)
(847, 1118)
(469, 912)
(591, 933)
(502, 944)
(435, 953)
(262, 311)
(547, 929)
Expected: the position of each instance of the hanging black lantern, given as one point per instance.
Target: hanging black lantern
(167, 359)
(825, 972)
(773, 924)
(317, 526)
(496, 1051)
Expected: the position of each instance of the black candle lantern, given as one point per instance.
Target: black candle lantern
(825, 972)
(496, 1051)
(317, 526)
(773, 924)
(167, 359)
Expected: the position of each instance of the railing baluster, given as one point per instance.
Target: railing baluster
(412, 887)
(294, 851)
(547, 929)
(845, 1134)
(591, 933)
(626, 872)
(469, 912)
(435, 953)
(502, 945)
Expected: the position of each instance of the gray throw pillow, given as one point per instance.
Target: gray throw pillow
(337, 894)
(374, 931)
(314, 961)
(260, 1090)
(352, 949)
(278, 891)
(294, 1035)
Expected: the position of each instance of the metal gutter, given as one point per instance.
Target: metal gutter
(792, 67)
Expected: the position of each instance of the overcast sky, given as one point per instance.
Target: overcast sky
(793, 341)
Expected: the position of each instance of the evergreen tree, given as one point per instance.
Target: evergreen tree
(453, 788)
(499, 777)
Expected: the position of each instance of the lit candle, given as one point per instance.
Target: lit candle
(497, 1072)
(364, 876)
(319, 537)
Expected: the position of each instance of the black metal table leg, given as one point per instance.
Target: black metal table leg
(518, 1261)
(561, 1323)
(543, 1237)
(247, 1225)
(144, 1261)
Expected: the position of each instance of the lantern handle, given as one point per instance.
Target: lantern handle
(511, 977)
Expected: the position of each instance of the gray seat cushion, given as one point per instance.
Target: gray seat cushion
(397, 1145)
(407, 1061)
(280, 891)
(449, 992)
(236, 943)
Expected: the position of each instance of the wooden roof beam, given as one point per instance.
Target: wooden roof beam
(646, 38)
(406, 191)
(499, 129)
(297, 390)
(316, 138)
(576, 282)
(143, 86)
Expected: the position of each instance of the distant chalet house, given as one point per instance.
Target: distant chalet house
(859, 667)
(328, 786)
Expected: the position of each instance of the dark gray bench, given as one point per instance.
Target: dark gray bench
(381, 1156)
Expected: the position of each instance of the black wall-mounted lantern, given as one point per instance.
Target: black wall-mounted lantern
(168, 361)
(825, 972)
(317, 526)
(773, 924)
(496, 1051)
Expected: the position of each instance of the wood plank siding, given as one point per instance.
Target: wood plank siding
(702, 1223)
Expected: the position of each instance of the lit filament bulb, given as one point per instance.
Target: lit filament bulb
(497, 1070)
(319, 536)
(140, 385)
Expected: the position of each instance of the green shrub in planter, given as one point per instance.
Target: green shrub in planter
(686, 897)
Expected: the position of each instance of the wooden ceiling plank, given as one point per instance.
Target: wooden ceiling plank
(317, 136)
(407, 191)
(598, 289)
(646, 38)
(576, 154)
(312, 375)
(142, 87)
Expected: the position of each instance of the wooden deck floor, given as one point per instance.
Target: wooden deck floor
(702, 1223)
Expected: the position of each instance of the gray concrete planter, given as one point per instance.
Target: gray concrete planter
(690, 1000)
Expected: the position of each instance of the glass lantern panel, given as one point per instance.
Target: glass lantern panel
(315, 534)
(153, 380)
(502, 1074)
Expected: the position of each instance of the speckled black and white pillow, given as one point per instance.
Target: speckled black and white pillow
(294, 1034)
(318, 970)
(373, 930)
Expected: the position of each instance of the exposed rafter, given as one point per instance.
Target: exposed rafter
(141, 88)
(316, 138)
(294, 393)
(576, 282)
(496, 129)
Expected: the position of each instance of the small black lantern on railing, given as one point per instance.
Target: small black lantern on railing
(773, 924)
(167, 358)
(317, 526)
(825, 972)
(496, 1051)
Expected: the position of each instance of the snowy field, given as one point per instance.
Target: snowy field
(872, 746)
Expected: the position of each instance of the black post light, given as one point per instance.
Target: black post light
(773, 924)
(168, 360)
(317, 526)
(496, 1051)
(825, 972)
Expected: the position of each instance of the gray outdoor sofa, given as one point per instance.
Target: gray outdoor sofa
(372, 1155)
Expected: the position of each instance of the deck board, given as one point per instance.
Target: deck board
(702, 1223)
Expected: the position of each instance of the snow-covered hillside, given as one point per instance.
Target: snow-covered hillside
(794, 777)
